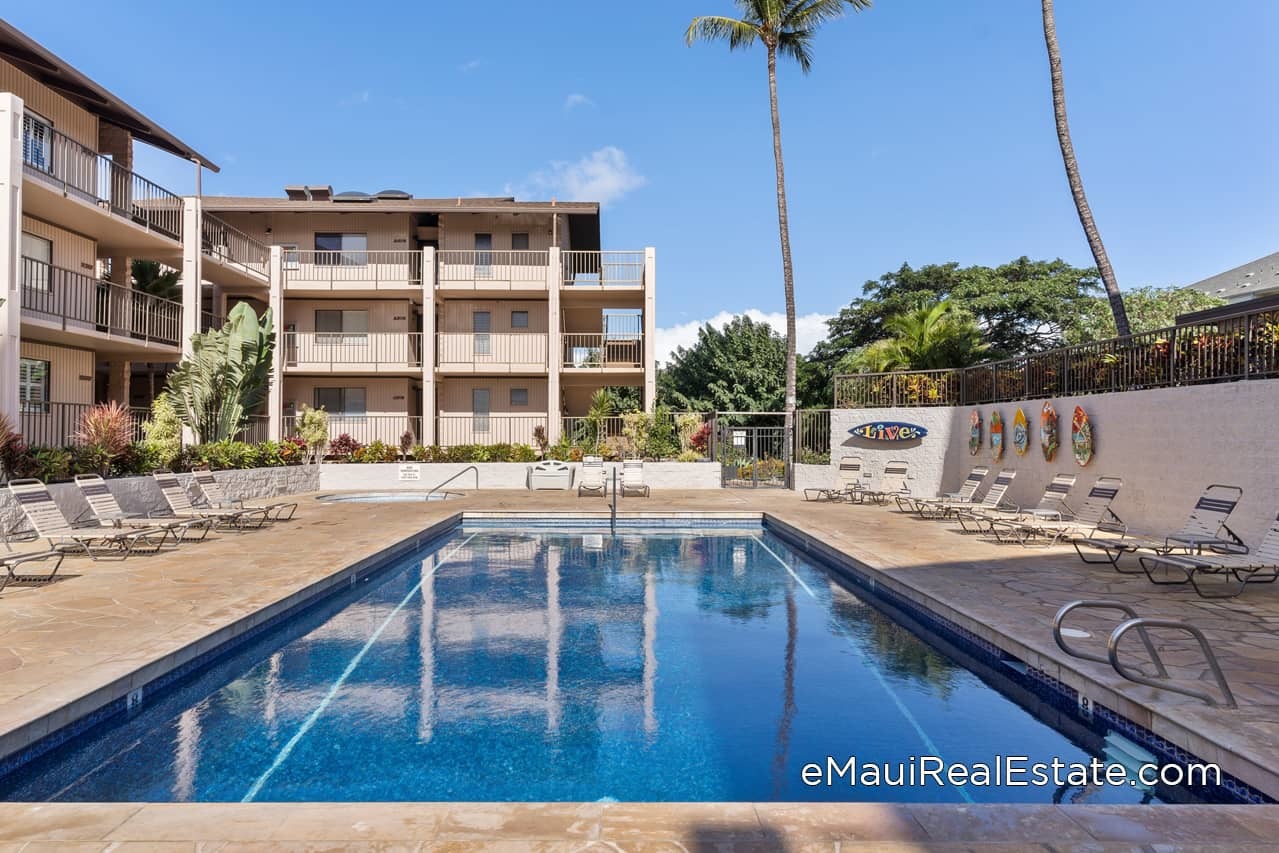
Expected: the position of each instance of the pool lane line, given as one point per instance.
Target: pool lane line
(883, 682)
(311, 720)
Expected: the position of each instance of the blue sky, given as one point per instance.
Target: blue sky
(924, 133)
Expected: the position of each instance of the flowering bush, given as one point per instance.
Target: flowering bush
(344, 447)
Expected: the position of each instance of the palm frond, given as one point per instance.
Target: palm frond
(737, 33)
(798, 45)
(811, 14)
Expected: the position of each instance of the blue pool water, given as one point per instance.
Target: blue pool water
(505, 664)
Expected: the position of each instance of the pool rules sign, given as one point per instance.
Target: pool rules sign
(410, 473)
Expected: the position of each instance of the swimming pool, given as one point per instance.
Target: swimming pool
(505, 662)
(386, 497)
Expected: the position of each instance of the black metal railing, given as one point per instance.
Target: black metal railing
(232, 247)
(1237, 347)
(76, 301)
(56, 158)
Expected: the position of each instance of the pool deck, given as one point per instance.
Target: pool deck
(70, 647)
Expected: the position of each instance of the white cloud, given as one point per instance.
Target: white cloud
(604, 176)
(355, 99)
(809, 329)
(470, 65)
(575, 100)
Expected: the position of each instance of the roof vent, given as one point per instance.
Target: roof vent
(297, 193)
(350, 196)
(394, 195)
(318, 193)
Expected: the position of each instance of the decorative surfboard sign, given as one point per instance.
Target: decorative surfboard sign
(1081, 436)
(996, 436)
(974, 432)
(889, 431)
(1021, 433)
(1048, 431)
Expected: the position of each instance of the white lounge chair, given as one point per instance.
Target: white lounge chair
(1205, 527)
(591, 478)
(850, 483)
(992, 501)
(1050, 506)
(1091, 516)
(48, 522)
(215, 496)
(180, 506)
(633, 478)
(892, 484)
(10, 562)
(966, 495)
(106, 510)
(1260, 565)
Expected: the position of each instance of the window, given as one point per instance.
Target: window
(519, 241)
(341, 327)
(37, 256)
(290, 251)
(33, 385)
(481, 325)
(342, 402)
(519, 396)
(519, 319)
(37, 141)
(483, 255)
(480, 409)
(341, 250)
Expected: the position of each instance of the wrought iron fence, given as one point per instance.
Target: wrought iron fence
(55, 158)
(1237, 347)
(812, 436)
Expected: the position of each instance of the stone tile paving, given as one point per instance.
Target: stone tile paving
(76, 644)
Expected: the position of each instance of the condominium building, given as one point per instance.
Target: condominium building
(457, 321)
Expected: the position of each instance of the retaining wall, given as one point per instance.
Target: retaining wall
(502, 475)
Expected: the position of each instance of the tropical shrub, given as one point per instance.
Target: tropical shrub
(690, 455)
(375, 451)
(343, 447)
(686, 425)
(406, 442)
(701, 438)
(312, 426)
(105, 431)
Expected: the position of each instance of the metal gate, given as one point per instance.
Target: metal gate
(751, 456)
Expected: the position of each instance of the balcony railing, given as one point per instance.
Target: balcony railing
(603, 269)
(51, 424)
(1238, 347)
(367, 428)
(79, 302)
(55, 158)
(491, 349)
(453, 430)
(338, 350)
(614, 351)
(211, 320)
(320, 270)
(232, 247)
(506, 270)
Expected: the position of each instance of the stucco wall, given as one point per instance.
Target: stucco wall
(929, 466)
(505, 475)
(1166, 444)
(141, 495)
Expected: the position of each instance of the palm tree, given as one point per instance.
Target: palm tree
(928, 338)
(1072, 176)
(788, 27)
(150, 277)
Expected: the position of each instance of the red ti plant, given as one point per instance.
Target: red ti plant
(105, 433)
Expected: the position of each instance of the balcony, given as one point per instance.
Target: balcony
(82, 190)
(356, 272)
(503, 271)
(367, 428)
(594, 271)
(236, 257)
(615, 351)
(346, 352)
(452, 430)
(522, 352)
(72, 308)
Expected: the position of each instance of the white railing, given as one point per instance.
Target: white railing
(347, 349)
(367, 428)
(603, 269)
(613, 351)
(480, 349)
(256, 430)
(54, 158)
(522, 270)
(79, 302)
(232, 247)
(452, 430)
(319, 270)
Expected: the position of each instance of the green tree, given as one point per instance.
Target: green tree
(1082, 207)
(932, 338)
(739, 368)
(150, 277)
(1149, 308)
(786, 27)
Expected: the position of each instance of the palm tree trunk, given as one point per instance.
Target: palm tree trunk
(788, 274)
(1072, 176)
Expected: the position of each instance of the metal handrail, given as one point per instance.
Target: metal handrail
(612, 522)
(1102, 605)
(1112, 650)
(455, 476)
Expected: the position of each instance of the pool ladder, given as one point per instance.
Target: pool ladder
(1133, 622)
(454, 477)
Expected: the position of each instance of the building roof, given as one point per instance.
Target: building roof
(42, 64)
(1259, 276)
(253, 204)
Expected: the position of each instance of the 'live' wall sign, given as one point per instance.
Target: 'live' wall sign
(889, 431)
